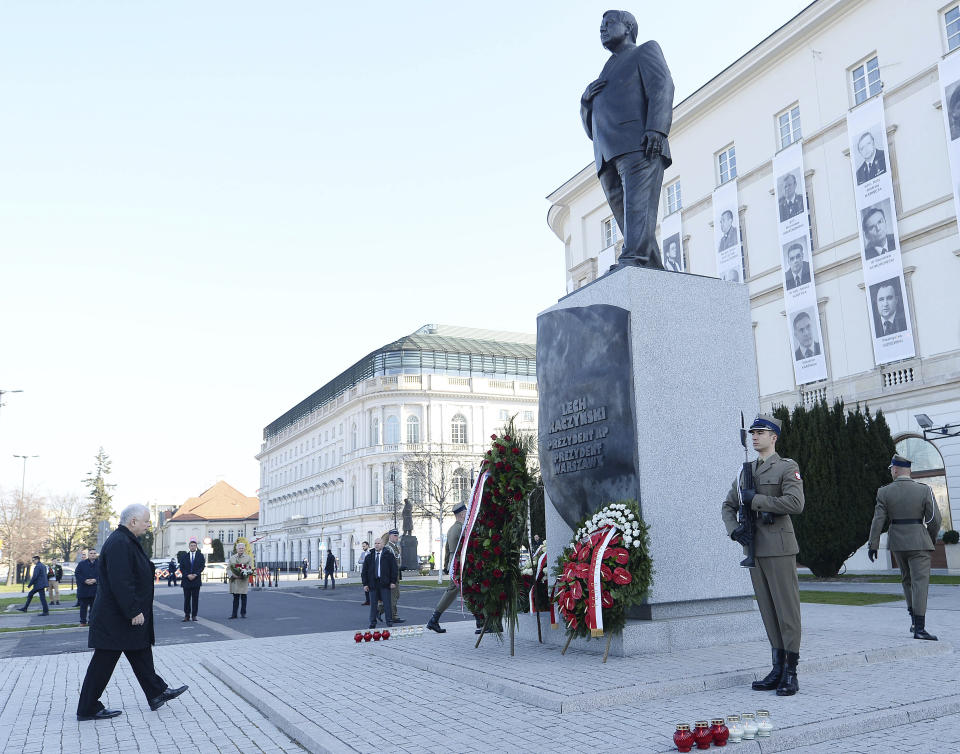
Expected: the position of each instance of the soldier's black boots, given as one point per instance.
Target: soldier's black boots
(912, 622)
(434, 624)
(919, 631)
(788, 683)
(772, 679)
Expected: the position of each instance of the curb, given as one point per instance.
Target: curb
(299, 728)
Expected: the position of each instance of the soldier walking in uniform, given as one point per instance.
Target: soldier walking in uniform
(914, 518)
(453, 538)
(777, 492)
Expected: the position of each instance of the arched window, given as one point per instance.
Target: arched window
(458, 430)
(391, 431)
(928, 468)
(353, 437)
(375, 488)
(413, 429)
(353, 492)
(375, 431)
(461, 486)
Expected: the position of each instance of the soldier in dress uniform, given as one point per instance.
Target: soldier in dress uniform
(453, 538)
(914, 518)
(777, 490)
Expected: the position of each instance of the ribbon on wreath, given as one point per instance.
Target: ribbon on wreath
(537, 572)
(460, 552)
(594, 613)
(553, 607)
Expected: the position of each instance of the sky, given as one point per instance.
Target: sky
(210, 209)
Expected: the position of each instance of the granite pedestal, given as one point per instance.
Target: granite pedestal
(693, 370)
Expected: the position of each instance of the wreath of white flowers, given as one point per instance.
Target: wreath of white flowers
(617, 515)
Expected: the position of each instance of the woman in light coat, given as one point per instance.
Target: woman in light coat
(239, 558)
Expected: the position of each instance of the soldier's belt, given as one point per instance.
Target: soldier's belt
(907, 521)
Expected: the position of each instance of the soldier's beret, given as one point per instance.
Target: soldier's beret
(899, 460)
(767, 422)
(459, 508)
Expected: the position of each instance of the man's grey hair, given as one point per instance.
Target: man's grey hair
(132, 511)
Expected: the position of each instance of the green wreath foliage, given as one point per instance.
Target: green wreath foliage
(626, 570)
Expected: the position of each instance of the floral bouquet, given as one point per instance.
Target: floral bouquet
(240, 571)
(605, 570)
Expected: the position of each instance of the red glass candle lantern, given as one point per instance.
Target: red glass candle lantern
(358, 637)
(720, 732)
(367, 636)
(385, 634)
(376, 636)
(702, 734)
(683, 738)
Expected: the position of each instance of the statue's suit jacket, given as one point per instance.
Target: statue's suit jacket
(638, 97)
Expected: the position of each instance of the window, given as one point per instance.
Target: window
(674, 201)
(609, 231)
(413, 429)
(458, 430)
(928, 468)
(375, 488)
(230, 537)
(504, 414)
(788, 126)
(391, 430)
(375, 432)
(528, 416)
(353, 437)
(461, 486)
(727, 162)
(220, 536)
(951, 18)
(866, 80)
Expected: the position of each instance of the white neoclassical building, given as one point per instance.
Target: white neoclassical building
(832, 62)
(332, 468)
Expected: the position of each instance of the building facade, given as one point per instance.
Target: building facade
(220, 512)
(336, 468)
(804, 93)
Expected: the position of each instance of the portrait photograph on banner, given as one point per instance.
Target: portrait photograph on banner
(805, 333)
(796, 258)
(672, 245)
(887, 305)
(726, 232)
(949, 69)
(790, 194)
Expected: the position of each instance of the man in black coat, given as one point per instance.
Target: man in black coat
(172, 572)
(379, 576)
(86, 575)
(627, 114)
(329, 569)
(38, 585)
(122, 621)
(191, 566)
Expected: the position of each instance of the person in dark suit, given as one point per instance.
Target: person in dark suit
(876, 239)
(874, 161)
(798, 272)
(191, 566)
(329, 568)
(122, 621)
(86, 576)
(172, 572)
(888, 316)
(728, 237)
(807, 347)
(627, 112)
(379, 575)
(791, 203)
(38, 585)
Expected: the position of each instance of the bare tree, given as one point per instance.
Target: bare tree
(437, 481)
(68, 524)
(23, 529)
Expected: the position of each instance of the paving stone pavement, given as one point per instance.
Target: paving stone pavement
(866, 685)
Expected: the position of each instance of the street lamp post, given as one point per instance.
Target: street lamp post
(393, 484)
(23, 484)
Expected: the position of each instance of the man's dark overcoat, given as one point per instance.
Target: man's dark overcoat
(124, 590)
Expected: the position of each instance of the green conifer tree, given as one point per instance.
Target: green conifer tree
(100, 507)
(843, 458)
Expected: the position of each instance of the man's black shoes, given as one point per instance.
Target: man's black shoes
(399, 620)
(22, 609)
(104, 714)
(157, 702)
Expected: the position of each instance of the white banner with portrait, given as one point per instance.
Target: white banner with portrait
(796, 259)
(726, 232)
(950, 96)
(889, 313)
(671, 245)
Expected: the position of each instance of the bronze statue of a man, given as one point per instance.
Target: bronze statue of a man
(627, 113)
(407, 517)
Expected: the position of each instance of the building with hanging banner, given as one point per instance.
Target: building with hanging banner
(822, 170)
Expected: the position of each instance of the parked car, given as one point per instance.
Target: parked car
(215, 572)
